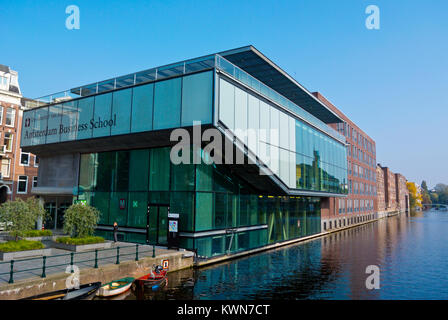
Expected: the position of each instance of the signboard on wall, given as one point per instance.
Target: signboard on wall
(122, 204)
(64, 123)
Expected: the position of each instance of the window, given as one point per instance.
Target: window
(3, 81)
(10, 117)
(34, 182)
(24, 158)
(1, 114)
(36, 161)
(5, 167)
(22, 184)
(8, 141)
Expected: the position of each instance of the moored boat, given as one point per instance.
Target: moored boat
(84, 292)
(153, 280)
(115, 287)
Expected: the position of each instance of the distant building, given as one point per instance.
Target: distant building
(393, 195)
(381, 191)
(360, 204)
(18, 169)
(402, 193)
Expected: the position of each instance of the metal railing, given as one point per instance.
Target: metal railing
(69, 260)
(129, 80)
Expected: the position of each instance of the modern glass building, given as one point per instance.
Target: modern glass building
(108, 143)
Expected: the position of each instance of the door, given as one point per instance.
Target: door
(60, 215)
(50, 221)
(157, 224)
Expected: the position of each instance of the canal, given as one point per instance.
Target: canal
(410, 251)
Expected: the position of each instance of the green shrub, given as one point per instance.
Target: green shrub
(21, 245)
(31, 233)
(21, 215)
(80, 241)
(80, 220)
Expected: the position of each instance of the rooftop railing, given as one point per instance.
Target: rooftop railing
(150, 75)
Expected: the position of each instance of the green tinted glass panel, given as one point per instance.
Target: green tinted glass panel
(137, 208)
(121, 111)
(40, 125)
(54, 121)
(102, 120)
(182, 177)
(118, 208)
(182, 203)
(204, 177)
(142, 108)
(139, 170)
(121, 171)
(87, 178)
(85, 114)
(105, 171)
(167, 102)
(100, 200)
(159, 175)
(204, 211)
(69, 120)
(197, 98)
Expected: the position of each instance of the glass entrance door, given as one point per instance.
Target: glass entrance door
(157, 224)
(162, 238)
(50, 221)
(60, 215)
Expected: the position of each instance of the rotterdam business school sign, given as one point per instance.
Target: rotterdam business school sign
(45, 125)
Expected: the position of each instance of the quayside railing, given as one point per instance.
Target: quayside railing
(72, 260)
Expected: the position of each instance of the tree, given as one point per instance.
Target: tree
(426, 198)
(434, 197)
(415, 198)
(424, 186)
(80, 220)
(20, 216)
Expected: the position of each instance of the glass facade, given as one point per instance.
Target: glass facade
(208, 198)
(302, 156)
(219, 212)
(165, 104)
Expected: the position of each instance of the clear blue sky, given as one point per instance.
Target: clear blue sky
(392, 82)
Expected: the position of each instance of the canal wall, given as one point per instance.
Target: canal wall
(29, 287)
(284, 243)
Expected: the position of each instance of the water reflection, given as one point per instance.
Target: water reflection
(409, 250)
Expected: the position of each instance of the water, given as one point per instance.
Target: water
(411, 252)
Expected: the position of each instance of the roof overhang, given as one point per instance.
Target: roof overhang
(259, 66)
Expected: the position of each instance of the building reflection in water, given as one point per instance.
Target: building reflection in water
(405, 248)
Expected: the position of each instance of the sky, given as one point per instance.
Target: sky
(392, 82)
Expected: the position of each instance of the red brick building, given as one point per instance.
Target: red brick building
(360, 204)
(380, 190)
(18, 169)
(393, 194)
(402, 193)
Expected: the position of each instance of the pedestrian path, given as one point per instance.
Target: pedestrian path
(60, 260)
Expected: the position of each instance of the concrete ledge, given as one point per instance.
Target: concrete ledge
(7, 256)
(278, 245)
(29, 287)
(82, 247)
